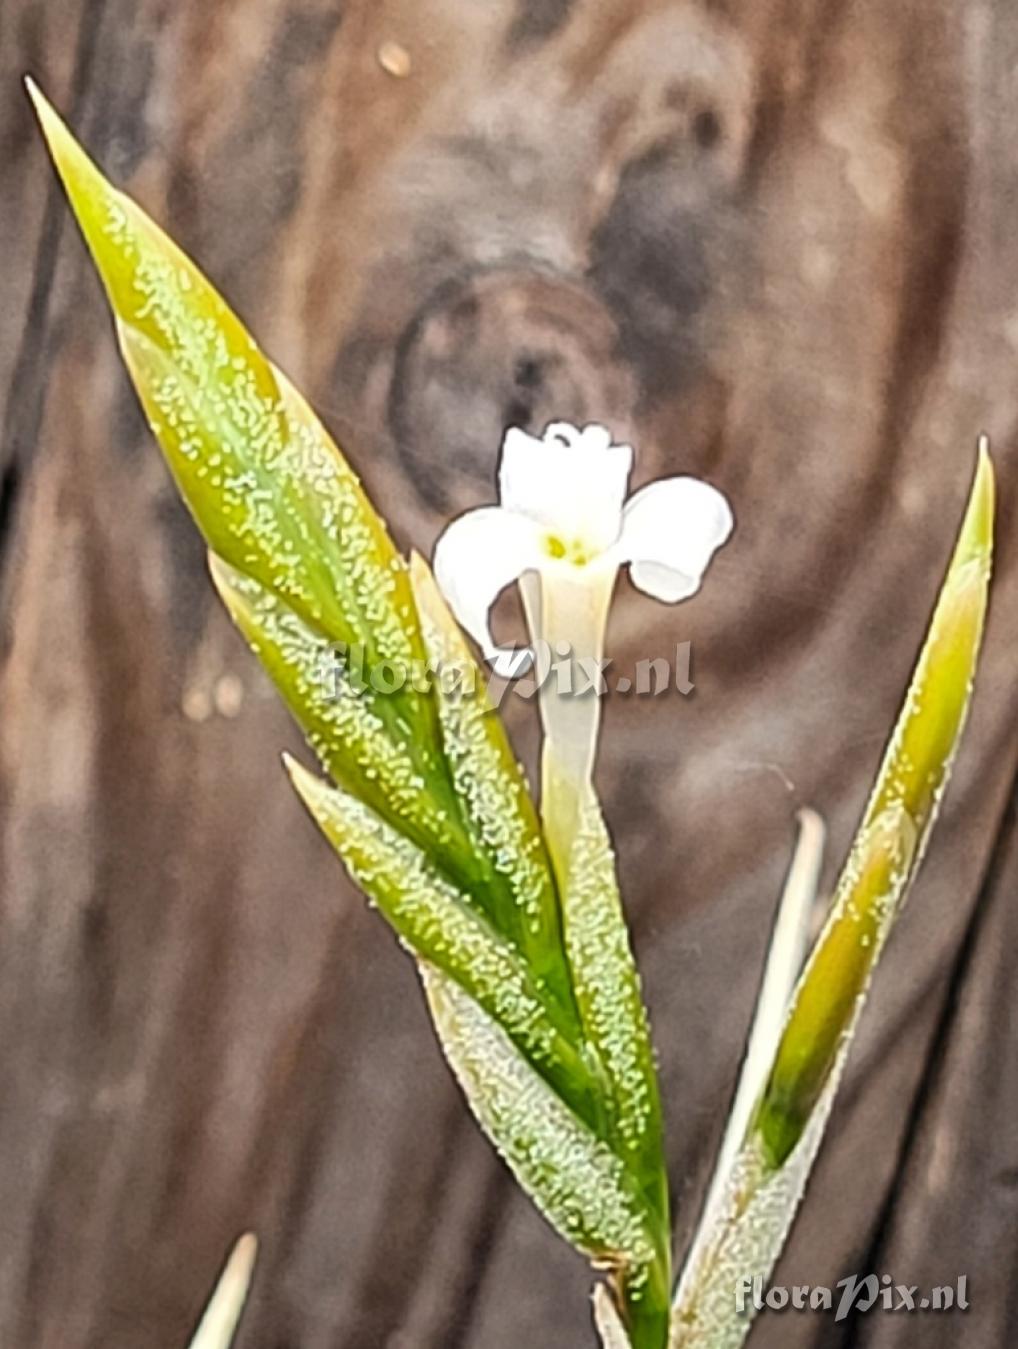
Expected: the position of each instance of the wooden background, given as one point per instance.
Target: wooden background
(774, 243)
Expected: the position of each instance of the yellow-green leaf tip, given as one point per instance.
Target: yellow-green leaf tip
(309, 787)
(294, 768)
(975, 540)
(73, 164)
(43, 109)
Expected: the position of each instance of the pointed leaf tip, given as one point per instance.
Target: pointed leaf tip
(78, 173)
(828, 998)
(745, 1229)
(222, 1315)
(43, 108)
(921, 750)
(607, 1320)
(308, 786)
(976, 538)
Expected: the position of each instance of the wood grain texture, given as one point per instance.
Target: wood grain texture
(774, 243)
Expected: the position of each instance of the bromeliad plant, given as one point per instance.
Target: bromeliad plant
(512, 915)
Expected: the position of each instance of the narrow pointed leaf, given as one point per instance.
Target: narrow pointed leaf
(607, 989)
(785, 956)
(596, 943)
(266, 485)
(222, 1315)
(497, 805)
(747, 1228)
(344, 726)
(575, 1179)
(298, 553)
(438, 925)
(754, 1216)
(827, 999)
(908, 790)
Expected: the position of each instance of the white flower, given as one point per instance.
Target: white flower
(563, 515)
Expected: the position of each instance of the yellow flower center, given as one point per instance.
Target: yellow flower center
(567, 551)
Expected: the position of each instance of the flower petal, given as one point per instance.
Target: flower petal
(475, 559)
(670, 530)
(572, 482)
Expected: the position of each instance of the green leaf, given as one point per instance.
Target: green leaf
(345, 728)
(785, 957)
(614, 1024)
(755, 1213)
(745, 1228)
(611, 1006)
(222, 1315)
(828, 997)
(498, 810)
(575, 1179)
(298, 554)
(750, 1216)
(530, 1089)
(266, 485)
(893, 834)
(439, 925)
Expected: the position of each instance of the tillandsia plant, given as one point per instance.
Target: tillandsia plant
(512, 913)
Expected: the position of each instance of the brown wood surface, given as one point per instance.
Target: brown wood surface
(777, 244)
